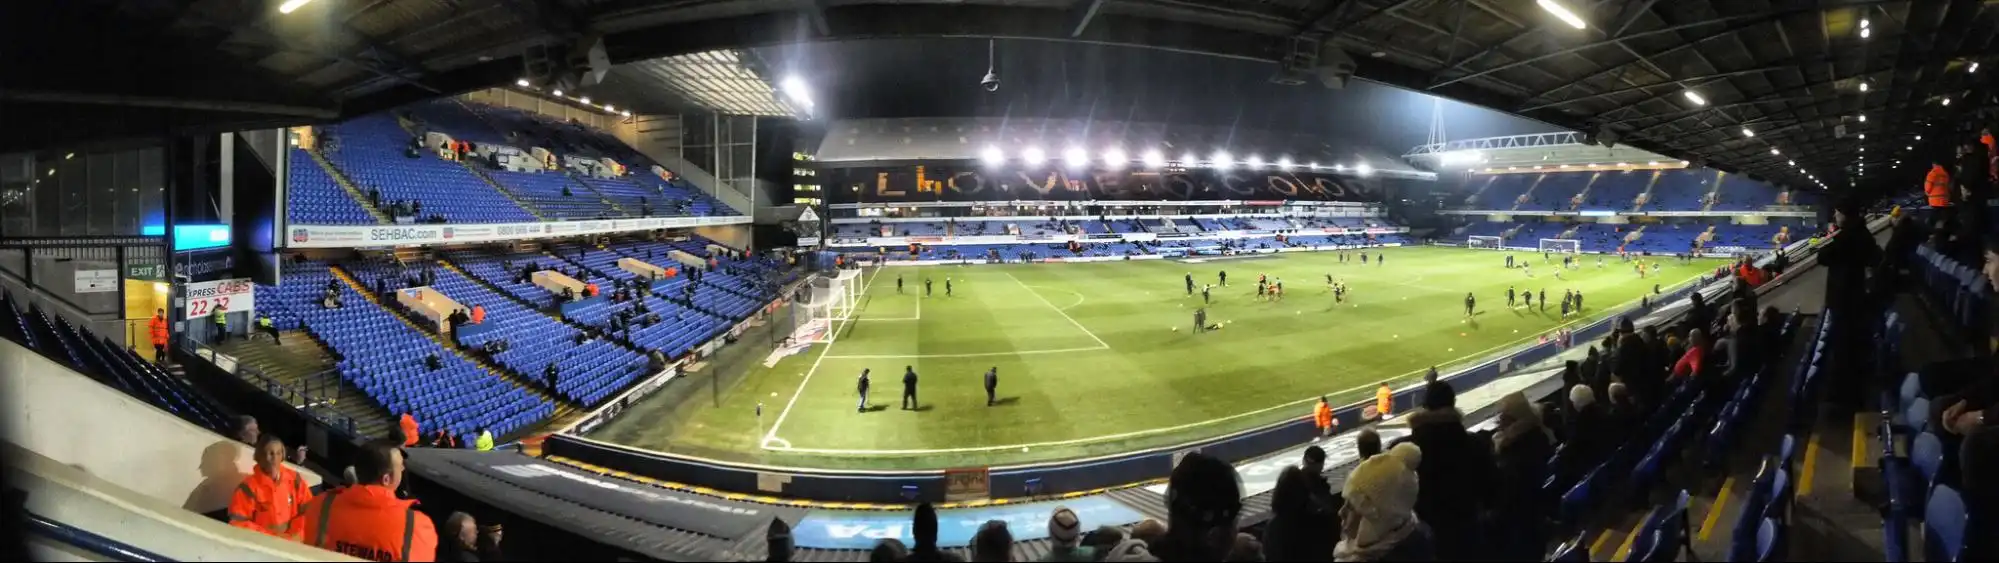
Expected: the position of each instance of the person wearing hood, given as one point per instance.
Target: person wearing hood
(1522, 446)
(1203, 499)
(1458, 467)
(1294, 532)
(1379, 520)
(777, 539)
(924, 531)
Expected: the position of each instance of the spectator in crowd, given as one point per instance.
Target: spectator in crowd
(1459, 468)
(409, 434)
(993, 543)
(1635, 370)
(1623, 411)
(1203, 500)
(1295, 531)
(1149, 531)
(1521, 446)
(269, 497)
(1691, 364)
(367, 520)
(1379, 521)
(888, 550)
(778, 540)
(464, 538)
(1699, 313)
(484, 441)
(490, 536)
(924, 531)
(1065, 537)
(247, 430)
(1846, 260)
(1245, 548)
(1367, 443)
(1590, 431)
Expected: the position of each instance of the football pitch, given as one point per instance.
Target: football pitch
(1102, 358)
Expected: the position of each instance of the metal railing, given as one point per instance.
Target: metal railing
(304, 400)
(86, 540)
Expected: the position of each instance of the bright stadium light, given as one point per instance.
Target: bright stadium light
(1773, 150)
(1696, 98)
(1564, 167)
(626, 113)
(1863, 136)
(1314, 165)
(1946, 101)
(1651, 163)
(1973, 69)
(1363, 169)
(291, 6)
(585, 100)
(1076, 157)
(558, 93)
(1562, 13)
(1254, 162)
(1791, 162)
(1537, 167)
(521, 83)
(607, 107)
(1222, 160)
(1033, 156)
(1865, 32)
(992, 156)
(1284, 162)
(1863, 118)
(1116, 158)
(1863, 86)
(1748, 133)
(1339, 167)
(1622, 165)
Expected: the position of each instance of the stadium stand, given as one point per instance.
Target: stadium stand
(315, 198)
(372, 151)
(113, 365)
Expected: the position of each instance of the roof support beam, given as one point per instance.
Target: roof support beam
(1701, 78)
(1083, 12)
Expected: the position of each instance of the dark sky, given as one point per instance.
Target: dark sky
(940, 77)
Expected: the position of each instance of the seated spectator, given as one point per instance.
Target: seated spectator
(888, 550)
(464, 538)
(1460, 470)
(1691, 364)
(1379, 521)
(484, 441)
(1624, 413)
(1368, 443)
(1521, 446)
(993, 543)
(1149, 531)
(1203, 500)
(1590, 431)
(1245, 549)
(1296, 531)
(1065, 537)
(924, 531)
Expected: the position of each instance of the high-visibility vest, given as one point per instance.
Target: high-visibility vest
(1322, 415)
(1384, 400)
(409, 430)
(1937, 186)
(159, 330)
(368, 522)
(484, 442)
(269, 505)
(478, 314)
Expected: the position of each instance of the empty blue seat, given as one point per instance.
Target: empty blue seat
(1944, 519)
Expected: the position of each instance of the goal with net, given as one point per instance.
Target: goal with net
(827, 301)
(1570, 246)
(1477, 241)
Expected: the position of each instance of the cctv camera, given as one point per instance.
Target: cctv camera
(991, 82)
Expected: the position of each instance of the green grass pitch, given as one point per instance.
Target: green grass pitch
(1101, 358)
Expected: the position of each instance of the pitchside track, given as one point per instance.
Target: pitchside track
(1102, 358)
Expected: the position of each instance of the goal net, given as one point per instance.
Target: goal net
(1482, 242)
(825, 302)
(1561, 245)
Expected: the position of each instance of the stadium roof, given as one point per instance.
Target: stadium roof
(1790, 72)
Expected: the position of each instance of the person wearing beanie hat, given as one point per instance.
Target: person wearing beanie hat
(1522, 446)
(1065, 536)
(924, 531)
(993, 543)
(1379, 521)
(778, 538)
(1203, 498)
(1459, 468)
(1590, 431)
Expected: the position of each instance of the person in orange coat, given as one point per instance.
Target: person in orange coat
(409, 429)
(158, 329)
(366, 520)
(1936, 186)
(478, 314)
(590, 290)
(269, 498)
(1322, 417)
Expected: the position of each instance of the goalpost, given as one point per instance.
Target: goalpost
(1570, 246)
(828, 300)
(1477, 241)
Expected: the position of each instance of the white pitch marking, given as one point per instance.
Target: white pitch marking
(772, 435)
(977, 355)
(1058, 310)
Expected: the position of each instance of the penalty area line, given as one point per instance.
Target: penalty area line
(834, 329)
(1058, 310)
(977, 355)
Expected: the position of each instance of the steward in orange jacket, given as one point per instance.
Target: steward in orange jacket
(269, 498)
(1322, 417)
(158, 329)
(1384, 400)
(409, 428)
(366, 520)
(1937, 186)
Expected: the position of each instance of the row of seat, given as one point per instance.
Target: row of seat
(1673, 190)
(110, 364)
(1921, 480)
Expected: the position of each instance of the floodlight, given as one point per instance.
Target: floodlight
(992, 156)
(1116, 158)
(1773, 150)
(1153, 159)
(558, 93)
(291, 5)
(585, 100)
(1189, 160)
(1033, 156)
(1864, 32)
(1076, 157)
(1863, 118)
(1974, 68)
(1696, 98)
(1284, 162)
(521, 83)
(1222, 160)
(1363, 168)
(1562, 13)
(1863, 86)
(1747, 133)
(1254, 162)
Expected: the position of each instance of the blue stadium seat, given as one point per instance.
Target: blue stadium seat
(1769, 541)
(1944, 518)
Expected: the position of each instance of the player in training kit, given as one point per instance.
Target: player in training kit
(1509, 261)
(1190, 284)
(926, 287)
(1204, 294)
(1527, 269)
(898, 284)
(862, 386)
(1599, 262)
(947, 286)
(1261, 287)
(1527, 299)
(1579, 301)
(1544, 300)
(1277, 289)
(1547, 258)
(1509, 297)
(1363, 258)
(1225, 278)
(1565, 306)
(909, 388)
(1380, 259)
(1469, 303)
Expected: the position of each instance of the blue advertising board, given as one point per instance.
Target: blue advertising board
(860, 529)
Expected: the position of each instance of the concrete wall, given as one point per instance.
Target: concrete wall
(72, 419)
(732, 236)
(560, 110)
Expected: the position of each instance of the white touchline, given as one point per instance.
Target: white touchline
(1153, 431)
(977, 355)
(1058, 310)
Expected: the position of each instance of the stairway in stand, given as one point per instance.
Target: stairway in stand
(600, 195)
(497, 371)
(347, 185)
(303, 364)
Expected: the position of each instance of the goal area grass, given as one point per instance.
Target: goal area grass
(1102, 358)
